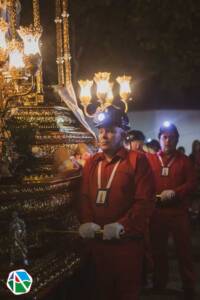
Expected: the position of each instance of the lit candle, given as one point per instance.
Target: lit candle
(3, 43)
(103, 86)
(30, 37)
(15, 55)
(125, 90)
(85, 92)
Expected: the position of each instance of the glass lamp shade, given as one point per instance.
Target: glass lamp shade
(103, 85)
(16, 60)
(85, 92)
(125, 90)
(30, 37)
(3, 42)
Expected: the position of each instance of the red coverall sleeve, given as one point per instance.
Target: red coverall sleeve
(85, 209)
(135, 221)
(190, 183)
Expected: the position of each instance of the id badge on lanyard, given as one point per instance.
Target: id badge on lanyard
(165, 171)
(102, 194)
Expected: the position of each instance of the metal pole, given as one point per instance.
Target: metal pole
(39, 77)
(59, 44)
(12, 17)
(67, 55)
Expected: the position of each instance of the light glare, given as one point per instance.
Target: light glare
(3, 44)
(31, 45)
(101, 117)
(166, 124)
(103, 87)
(16, 59)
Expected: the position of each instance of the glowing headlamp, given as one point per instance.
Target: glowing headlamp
(166, 124)
(101, 116)
(168, 127)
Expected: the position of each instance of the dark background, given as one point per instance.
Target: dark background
(155, 41)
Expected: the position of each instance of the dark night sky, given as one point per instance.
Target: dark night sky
(157, 42)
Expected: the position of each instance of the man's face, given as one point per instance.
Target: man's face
(110, 139)
(137, 145)
(168, 142)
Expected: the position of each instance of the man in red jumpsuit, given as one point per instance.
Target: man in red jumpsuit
(116, 199)
(175, 179)
(135, 140)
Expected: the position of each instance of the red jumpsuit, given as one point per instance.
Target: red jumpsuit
(172, 217)
(130, 202)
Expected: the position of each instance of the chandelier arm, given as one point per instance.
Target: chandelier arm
(13, 17)
(59, 43)
(66, 45)
(36, 14)
(126, 106)
(10, 98)
(86, 113)
(31, 89)
(37, 25)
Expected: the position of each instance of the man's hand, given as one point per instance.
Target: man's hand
(88, 230)
(112, 231)
(167, 195)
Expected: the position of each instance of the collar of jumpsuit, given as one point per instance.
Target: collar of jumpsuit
(120, 154)
(167, 157)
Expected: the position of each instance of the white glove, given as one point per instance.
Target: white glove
(88, 230)
(112, 231)
(167, 195)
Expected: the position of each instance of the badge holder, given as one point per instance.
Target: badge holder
(165, 171)
(102, 197)
(102, 194)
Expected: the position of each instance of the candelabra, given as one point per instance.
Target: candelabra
(20, 56)
(104, 93)
(39, 141)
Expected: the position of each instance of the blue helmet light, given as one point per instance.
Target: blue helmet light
(166, 124)
(168, 127)
(149, 140)
(101, 116)
(112, 116)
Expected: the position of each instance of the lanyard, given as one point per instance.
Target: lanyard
(169, 163)
(111, 177)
